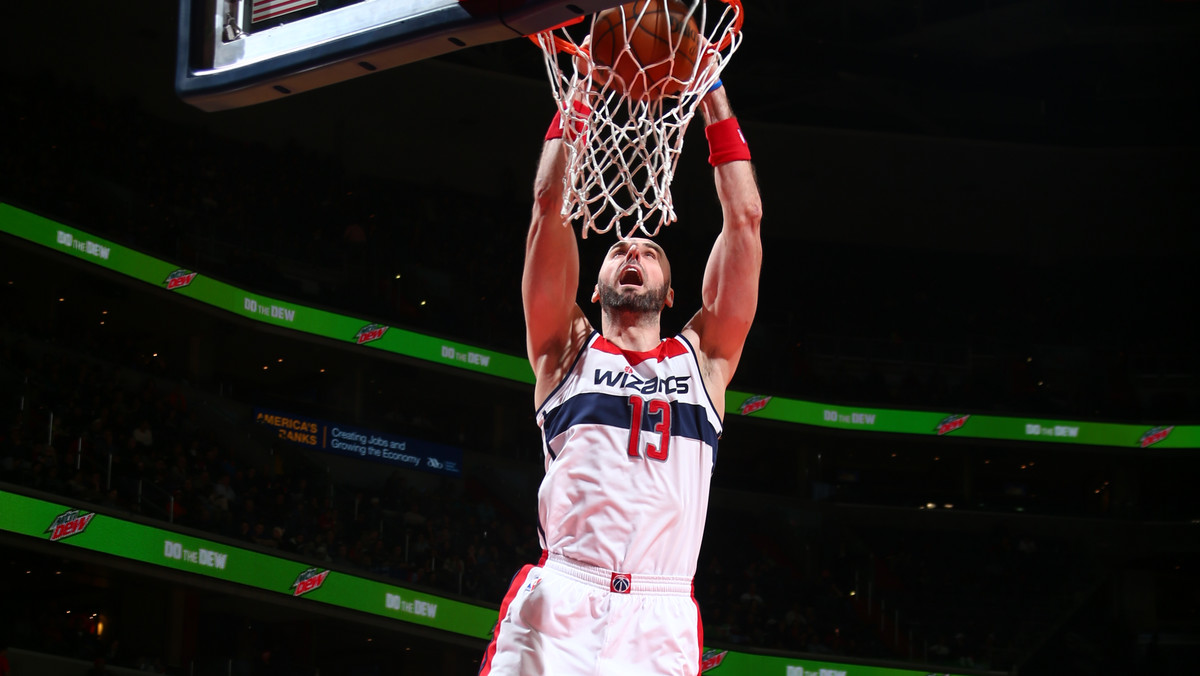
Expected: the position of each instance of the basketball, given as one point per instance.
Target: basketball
(646, 69)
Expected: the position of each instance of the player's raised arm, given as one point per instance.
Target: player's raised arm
(729, 296)
(553, 321)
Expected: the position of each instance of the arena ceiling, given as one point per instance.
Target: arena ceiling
(1073, 72)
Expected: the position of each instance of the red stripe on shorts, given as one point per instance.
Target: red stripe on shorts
(699, 633)
(518, 580)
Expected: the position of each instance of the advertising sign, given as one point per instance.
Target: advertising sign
(201, 288)
(75, 526)
(358, 442)
(961, 423)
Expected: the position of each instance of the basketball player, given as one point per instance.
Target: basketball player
(630, 423)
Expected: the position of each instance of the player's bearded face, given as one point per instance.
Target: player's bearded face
(649, 299)
(635, 277)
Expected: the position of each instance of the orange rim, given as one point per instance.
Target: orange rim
(563, 45)
(740, 14)
(560, 44)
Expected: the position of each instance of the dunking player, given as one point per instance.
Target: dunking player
(630, 423)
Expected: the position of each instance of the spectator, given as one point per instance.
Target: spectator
(143, 435)
(223, 495)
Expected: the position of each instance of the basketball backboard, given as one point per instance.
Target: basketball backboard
(235, 53)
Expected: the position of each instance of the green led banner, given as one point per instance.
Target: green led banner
(368, 334)
(721, 663)
(959, 424)
(196, 286)
(74, 526)
(83, 528)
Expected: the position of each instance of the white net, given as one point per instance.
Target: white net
(619, 171)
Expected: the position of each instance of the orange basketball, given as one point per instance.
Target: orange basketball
(645, 70)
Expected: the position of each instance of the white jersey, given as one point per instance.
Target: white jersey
(630, 441)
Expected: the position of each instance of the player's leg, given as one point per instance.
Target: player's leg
(510, 643)
(547, 626)
(653, 635)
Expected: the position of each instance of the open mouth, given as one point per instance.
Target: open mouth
(630, 275)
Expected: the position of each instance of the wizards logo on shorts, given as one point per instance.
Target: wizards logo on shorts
(309, 580)
(70, 522)
(951, 423)
(621, 583)
(369, 333)
(179, 279)
(1154, 435)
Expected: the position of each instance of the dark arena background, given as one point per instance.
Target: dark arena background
(265, 408)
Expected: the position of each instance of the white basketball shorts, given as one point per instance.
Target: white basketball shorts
(564, 618)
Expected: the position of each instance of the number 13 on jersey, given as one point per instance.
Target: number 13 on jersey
(654, 407)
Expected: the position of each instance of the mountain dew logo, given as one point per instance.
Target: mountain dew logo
(951, 423)
(369, 333)
(752, 404)
(309, 580)
(70, 522)
(711, 659)
(179, 279)
(1154, 435)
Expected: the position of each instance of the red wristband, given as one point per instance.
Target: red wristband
(556, 124)
(726, 143)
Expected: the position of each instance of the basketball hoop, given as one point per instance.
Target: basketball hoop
(620, 169)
